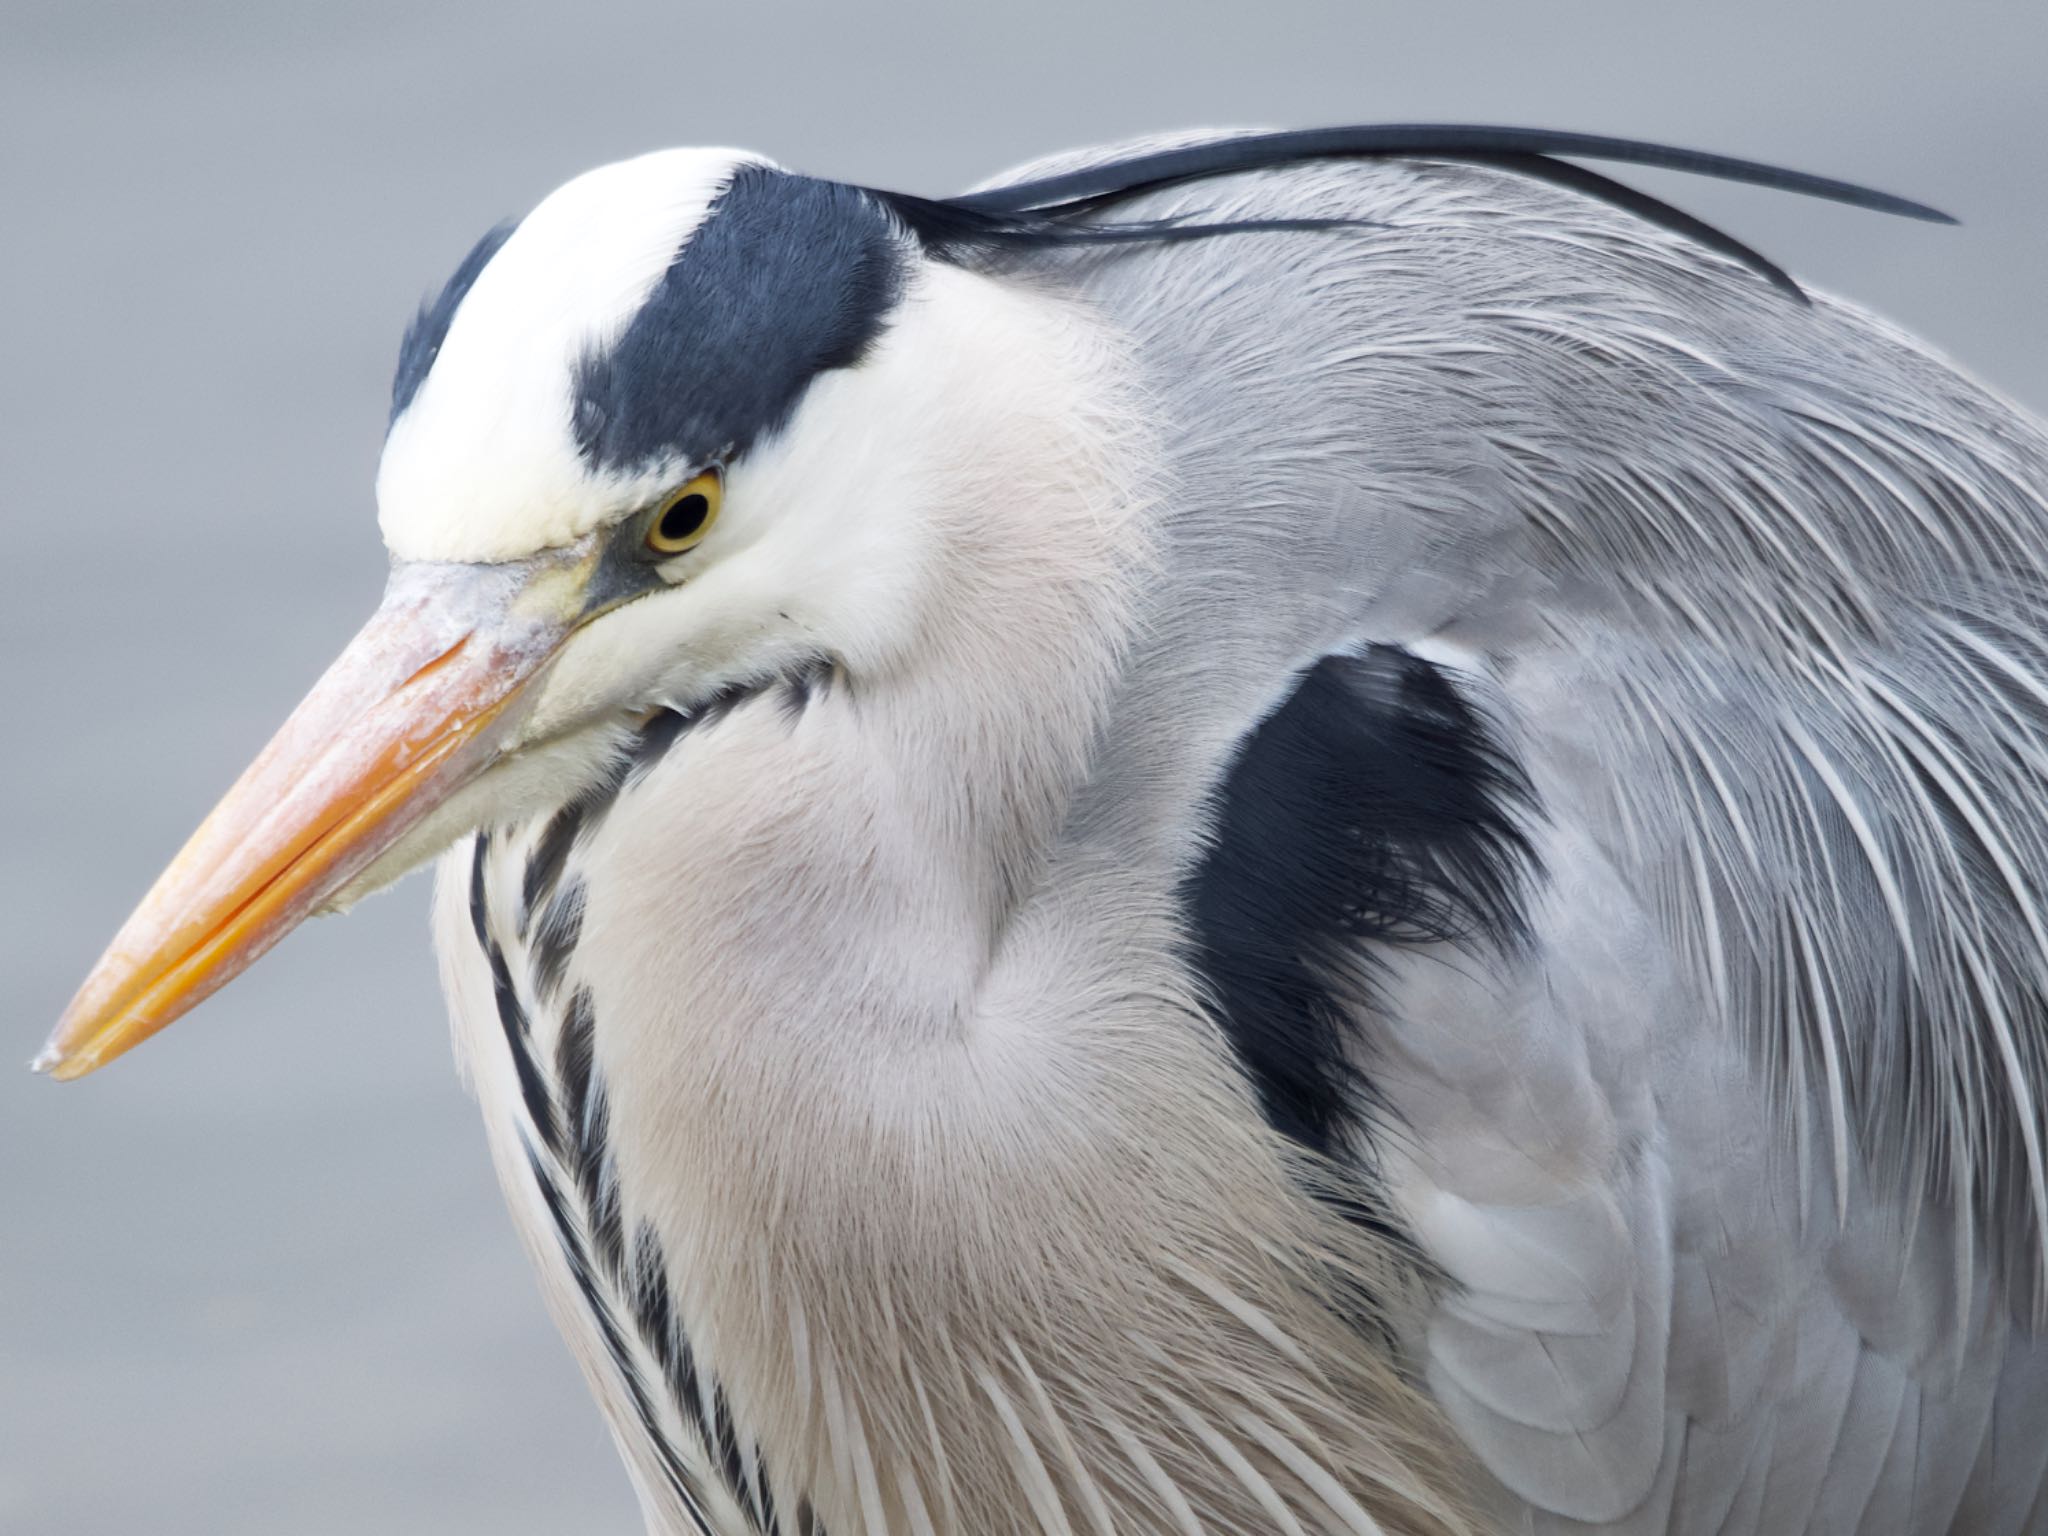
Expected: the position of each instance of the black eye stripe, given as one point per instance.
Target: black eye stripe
(785, 278)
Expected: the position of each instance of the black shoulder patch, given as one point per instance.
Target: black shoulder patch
(786, 277)
(429, 328)
(1374, 807)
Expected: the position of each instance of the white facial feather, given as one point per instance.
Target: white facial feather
(483, 464)
(890, 505)
(834, 531)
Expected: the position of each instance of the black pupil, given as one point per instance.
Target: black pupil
(685, 517)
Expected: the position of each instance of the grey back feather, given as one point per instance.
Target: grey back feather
(1792, 562)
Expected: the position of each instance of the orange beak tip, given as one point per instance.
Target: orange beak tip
(53, 1063)
(401, 720)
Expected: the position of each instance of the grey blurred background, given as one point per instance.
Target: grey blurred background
(255, 1278)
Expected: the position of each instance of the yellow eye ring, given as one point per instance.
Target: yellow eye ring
(686, 514)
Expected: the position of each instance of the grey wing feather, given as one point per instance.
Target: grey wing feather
(1737, 1172)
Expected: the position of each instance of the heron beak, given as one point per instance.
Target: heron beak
(422, 701)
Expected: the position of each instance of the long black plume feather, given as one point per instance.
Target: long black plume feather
(1426, 140)
(1577, 178)
(1050, 210)
(947, 227)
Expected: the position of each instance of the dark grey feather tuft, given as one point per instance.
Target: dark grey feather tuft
(1373, 807)
(787, 277)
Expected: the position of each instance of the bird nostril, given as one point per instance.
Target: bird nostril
(435, 664)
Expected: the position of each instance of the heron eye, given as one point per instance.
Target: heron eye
(687, 515)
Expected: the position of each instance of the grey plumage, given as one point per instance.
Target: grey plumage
(1754, 591)
(1760, 588)
(1381, 872)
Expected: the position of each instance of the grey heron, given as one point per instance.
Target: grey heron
(1314, 832)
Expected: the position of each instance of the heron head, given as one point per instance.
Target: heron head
(693, 426)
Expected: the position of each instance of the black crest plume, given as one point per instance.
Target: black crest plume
(1052, 210)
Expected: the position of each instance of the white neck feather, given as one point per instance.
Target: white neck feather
(945, 1163)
